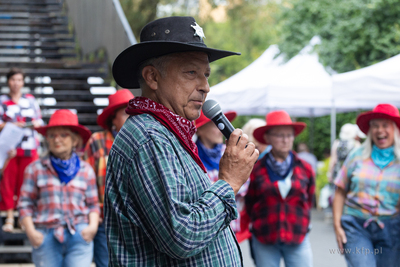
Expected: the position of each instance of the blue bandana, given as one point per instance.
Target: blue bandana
(66, 169)
(382, 157)
(210, 156)
(278, 170)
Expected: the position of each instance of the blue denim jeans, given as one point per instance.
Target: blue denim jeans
(73, 252)
(100, 247)
(371, 246)
(293, 255)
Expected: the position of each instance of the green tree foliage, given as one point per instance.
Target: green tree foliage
(354, 33)
(250, 28)
(139, 13)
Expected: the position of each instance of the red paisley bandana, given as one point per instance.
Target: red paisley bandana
(182, 128)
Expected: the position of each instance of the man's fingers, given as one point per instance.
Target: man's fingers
(234, 137)
(243, 141)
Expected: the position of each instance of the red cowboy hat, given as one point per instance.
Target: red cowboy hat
(381, 111)
(230, 115)
(277, 118)
(65, 118)
(115, 101)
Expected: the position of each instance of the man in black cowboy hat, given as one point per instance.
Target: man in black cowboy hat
(160, 207)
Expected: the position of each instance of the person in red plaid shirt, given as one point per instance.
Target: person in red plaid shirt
(280, 197)
(58, 206)
(96, 154)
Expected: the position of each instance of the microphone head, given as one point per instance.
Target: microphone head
(211, 108)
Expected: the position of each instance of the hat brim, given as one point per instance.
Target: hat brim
(230, 115)
(260, 131)
(107, 112)
(126, 66)
(84, 132)
(364, 118)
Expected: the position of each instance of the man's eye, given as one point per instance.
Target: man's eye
(192, 72)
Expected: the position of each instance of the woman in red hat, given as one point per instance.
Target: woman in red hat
(366, 203)
(96, 153)
(58, 206)
(280, 196)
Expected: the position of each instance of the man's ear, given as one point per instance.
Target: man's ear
(150, 75)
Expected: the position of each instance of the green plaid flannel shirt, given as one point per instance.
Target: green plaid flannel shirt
(160, 207)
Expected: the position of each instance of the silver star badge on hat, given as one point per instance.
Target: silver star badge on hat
(198, 30)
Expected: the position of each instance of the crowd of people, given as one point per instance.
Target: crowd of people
(160, 187)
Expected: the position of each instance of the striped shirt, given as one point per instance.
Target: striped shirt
(160, 206)
(52, 204)
(371, 192)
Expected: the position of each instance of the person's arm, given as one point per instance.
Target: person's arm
(342, 183)
(311, 189)
(35, 237)
(160, 199)
(92, 202)
(337, 210)
(37, 119)
(88, 155)
(238, 160)
(251, 196)
(332, 161)
(90, 231)
(26, 205)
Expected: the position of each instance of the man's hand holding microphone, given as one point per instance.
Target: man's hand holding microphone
(240, 156)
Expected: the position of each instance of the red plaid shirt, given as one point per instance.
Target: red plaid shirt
(276, 220)
(96, 154)
(52, 204)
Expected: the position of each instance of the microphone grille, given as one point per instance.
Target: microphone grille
(211, 108)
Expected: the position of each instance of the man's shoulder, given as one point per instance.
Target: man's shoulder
(139, 130)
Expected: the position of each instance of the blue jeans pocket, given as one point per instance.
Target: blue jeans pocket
(43, 231)
(78, 232)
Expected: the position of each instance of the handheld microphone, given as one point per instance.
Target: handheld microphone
(213, 111)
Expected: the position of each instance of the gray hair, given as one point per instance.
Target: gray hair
(250, 126)
(160, 63)
(367, 145)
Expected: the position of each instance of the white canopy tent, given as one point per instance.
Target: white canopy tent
(304, 89)
(368, 86)
(301, 86)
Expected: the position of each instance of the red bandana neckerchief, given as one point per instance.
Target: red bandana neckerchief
(182, 128)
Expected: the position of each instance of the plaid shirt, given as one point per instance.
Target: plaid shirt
(52, 204)
(372, 193)
(96, 154)
(160, 207)
(274, 219)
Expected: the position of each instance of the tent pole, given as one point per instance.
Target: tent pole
(312, 130)
(333, 122)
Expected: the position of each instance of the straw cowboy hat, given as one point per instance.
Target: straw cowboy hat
(161, 37)
(277, 118)
(230, 115)
(65, 118)
(381, 111)
(115, 101)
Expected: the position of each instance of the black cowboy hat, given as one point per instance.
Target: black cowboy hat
(161, 37)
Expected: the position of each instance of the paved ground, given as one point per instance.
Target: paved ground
(322, 240)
